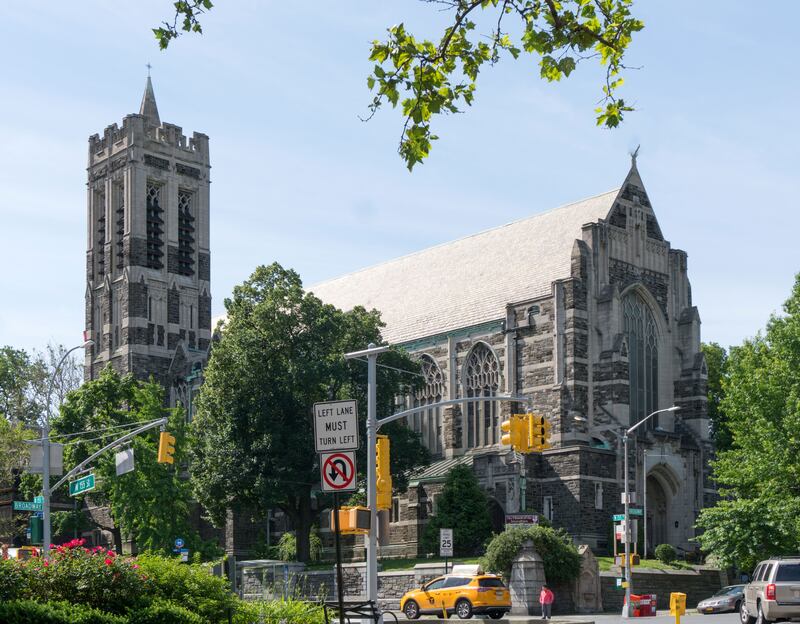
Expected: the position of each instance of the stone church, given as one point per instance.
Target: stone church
(148, 292)
(587, 309)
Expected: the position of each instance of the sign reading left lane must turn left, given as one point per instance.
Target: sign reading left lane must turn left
(338, 471)
(336, 426)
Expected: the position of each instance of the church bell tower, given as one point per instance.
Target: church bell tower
(148, 295)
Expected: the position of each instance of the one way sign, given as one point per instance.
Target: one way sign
(338, 471)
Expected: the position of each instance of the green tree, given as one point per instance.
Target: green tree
(463, 507)
(150, 504)
(759, 511)
(716, 362)
(281, 350)
(428, 78)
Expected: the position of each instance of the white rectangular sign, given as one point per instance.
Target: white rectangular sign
(445, 542)
(336, 426)
(124, 461)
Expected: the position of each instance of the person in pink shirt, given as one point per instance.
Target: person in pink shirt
(546, 598)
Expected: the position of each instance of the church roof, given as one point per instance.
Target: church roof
(468, 281)
(149, 109)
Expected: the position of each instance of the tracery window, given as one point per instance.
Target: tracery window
(429, 423)
(482, 379)
(185, 233)
(642, 336)
(155, 224)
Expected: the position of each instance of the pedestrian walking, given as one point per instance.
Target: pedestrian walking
(546, 598)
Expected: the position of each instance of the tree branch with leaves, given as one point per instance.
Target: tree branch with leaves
(425, 78)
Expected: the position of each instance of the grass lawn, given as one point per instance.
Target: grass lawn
(653, 564)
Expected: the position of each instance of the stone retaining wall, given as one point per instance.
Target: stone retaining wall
(697, 584)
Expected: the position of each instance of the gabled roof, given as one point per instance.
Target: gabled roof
(468, 281)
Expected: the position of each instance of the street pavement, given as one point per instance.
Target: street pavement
(663, 617)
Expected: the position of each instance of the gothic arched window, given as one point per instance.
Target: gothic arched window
(642, 335)
(429, 423)
(481, 378)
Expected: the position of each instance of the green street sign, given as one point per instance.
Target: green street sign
(38, 499)
(618, 517)
(27, 506)
(84, 484)
(635, 511)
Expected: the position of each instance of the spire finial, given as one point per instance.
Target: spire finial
(148, 66)
(148, 109)
(634, 154)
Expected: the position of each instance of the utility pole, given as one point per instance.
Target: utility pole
(627, 533)
(46, 452)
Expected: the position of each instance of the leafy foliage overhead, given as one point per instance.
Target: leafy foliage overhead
(759, 511)
(428, 78)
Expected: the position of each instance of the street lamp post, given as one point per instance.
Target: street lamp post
(46, 452)
(626, 610)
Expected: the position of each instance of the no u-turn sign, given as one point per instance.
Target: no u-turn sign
(338, 471)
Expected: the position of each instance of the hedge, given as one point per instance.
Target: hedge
(561, 559)
(30, 612)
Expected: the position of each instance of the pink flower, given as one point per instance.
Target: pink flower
(46, 563)
(135, 566)
(109, 561)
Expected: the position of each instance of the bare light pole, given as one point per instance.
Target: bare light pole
(46, 452)
(626, 610)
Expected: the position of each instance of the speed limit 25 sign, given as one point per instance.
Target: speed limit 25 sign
(445, 542)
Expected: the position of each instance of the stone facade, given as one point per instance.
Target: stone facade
(148, 302)
(611, 337)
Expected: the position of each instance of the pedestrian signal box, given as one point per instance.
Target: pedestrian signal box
(352, 520)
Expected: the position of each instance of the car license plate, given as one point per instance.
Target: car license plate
(498, 595)
(708, 609)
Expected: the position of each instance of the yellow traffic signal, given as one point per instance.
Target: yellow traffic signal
(166, 448)
(515, 432)
(383, 474)
(538, 433)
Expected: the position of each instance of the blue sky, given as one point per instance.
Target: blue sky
(297, 178)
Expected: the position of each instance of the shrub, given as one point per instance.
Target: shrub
(287, 546)
(96, 577)
(189, 585)
(15, 580)
(30, 612)
(284, 611)
(164, 612)
(665, 553)
(561, 559)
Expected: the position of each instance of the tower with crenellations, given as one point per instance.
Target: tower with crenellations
(148, 294)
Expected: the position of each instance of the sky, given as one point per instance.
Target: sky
(298, 178)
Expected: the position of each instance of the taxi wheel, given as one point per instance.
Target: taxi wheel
(411, 609)
(496, 615)
(464, 609)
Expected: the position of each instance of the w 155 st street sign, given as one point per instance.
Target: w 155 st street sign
(84, 484)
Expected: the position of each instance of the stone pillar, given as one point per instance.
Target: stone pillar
(586, 590)
(527, 578)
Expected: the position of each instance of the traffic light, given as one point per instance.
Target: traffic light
(515, 432)
(352, 520)
(538, 433)
(383, 474)
(166, 448)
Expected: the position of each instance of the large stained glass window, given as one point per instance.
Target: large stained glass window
(429, 423)
(482, 379)
(640, 330)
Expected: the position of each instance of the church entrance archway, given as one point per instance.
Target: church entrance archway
(657, 513)
(497, 515)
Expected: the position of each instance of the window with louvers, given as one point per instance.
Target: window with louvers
(100, 202)
(120, 254)
(482, 379)
(429, 423)
(185, 234)
(155, 227)
(640, 329)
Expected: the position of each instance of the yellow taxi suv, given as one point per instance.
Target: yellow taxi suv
(462, 595)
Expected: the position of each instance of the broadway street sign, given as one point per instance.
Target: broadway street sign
(84, 484)
(27, 506)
